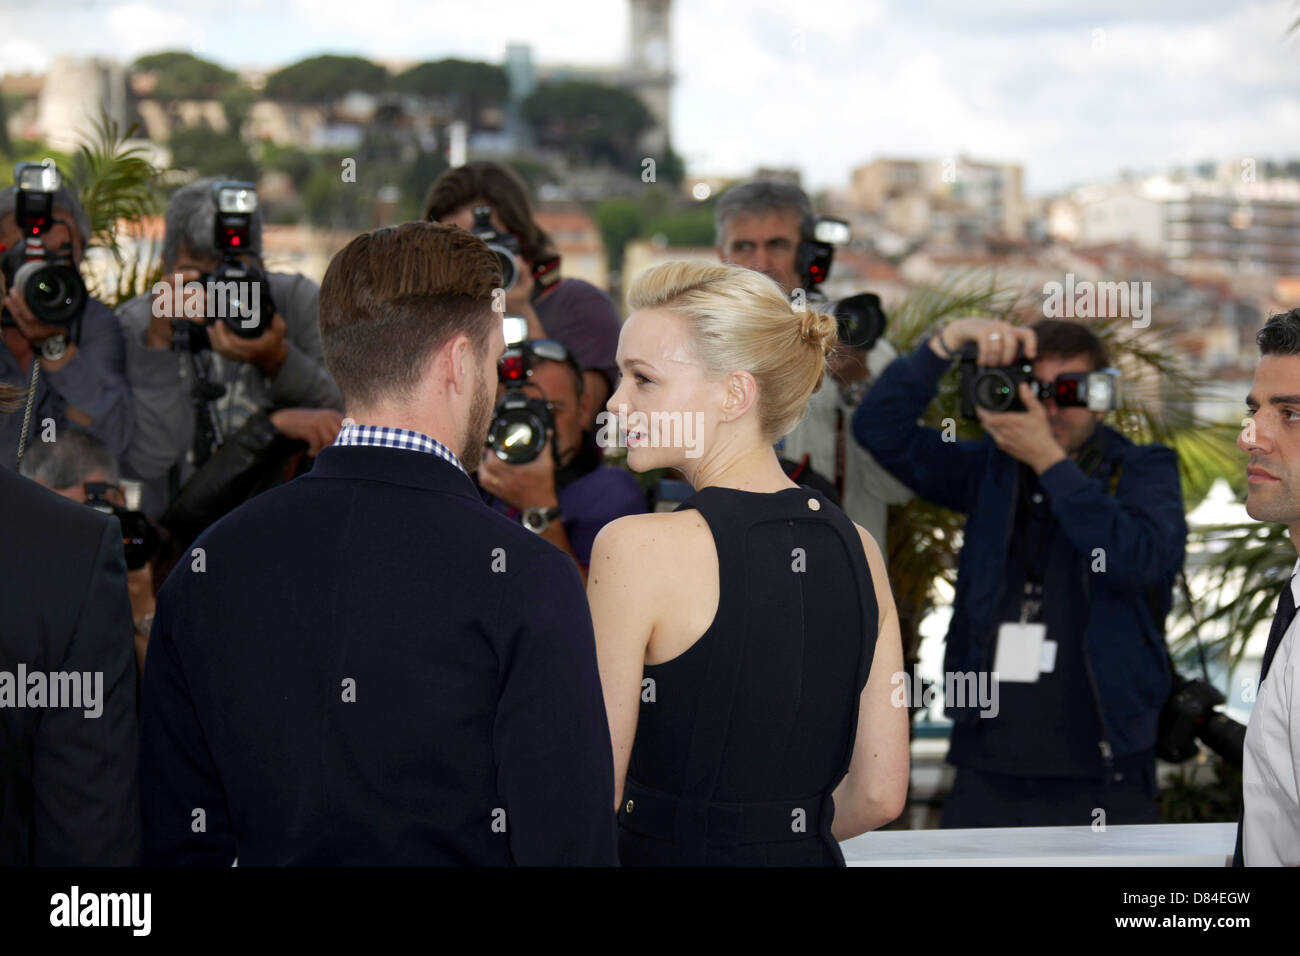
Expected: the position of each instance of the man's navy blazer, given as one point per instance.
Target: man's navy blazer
(370, 666)
(67, 773)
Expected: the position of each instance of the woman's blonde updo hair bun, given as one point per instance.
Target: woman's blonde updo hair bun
(740, 320)
(819, 330)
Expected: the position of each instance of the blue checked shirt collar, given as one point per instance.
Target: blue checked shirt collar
(385, 437)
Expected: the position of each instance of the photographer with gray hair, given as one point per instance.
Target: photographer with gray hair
(278, 375)
(762, 224)
(73, 373)
(78, 467)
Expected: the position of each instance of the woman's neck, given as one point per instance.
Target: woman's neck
(755, 469)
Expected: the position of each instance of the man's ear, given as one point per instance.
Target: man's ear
(740, 391)
(460, 364)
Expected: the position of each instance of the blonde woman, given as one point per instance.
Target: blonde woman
(747, 640)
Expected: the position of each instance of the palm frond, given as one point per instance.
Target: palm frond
(117, 182)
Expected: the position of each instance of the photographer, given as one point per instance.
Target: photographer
(80, 468)
(280, 369)
(761, 225)
(1073, 539)
(565, 494)
(78, 366)
(570, 311)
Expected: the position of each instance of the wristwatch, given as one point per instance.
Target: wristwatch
(54, 347)
(538, 520)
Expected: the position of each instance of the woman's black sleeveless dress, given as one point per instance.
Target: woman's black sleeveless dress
(742, 738)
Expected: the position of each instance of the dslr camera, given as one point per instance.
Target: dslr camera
(50, 285)
(519, 423)
(139, 539)
(503, 244)
(1189, 715)
(860, 319)
(997, 389)
(237, 294)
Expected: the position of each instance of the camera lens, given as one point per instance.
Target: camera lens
(519, 426)
(860, 320)
(53, 291)
(994, 391)
(509, 272)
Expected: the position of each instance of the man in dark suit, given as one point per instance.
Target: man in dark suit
(68, 793)
(368, 665)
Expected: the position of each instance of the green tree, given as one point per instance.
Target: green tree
(590, 122)
(184, 76)
(469, 85)
(209, 153)
(330, 203)
(296, 163)
(322, 79)
(691, 226)
(236, 103)
(672, 168)
(620, 221)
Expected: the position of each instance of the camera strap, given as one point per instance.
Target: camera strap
(546, 275)
(27, 408)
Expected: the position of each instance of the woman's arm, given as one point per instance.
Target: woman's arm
(874, 790)
(620, 589)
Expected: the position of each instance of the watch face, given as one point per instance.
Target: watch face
(537, 519)
(54, 347)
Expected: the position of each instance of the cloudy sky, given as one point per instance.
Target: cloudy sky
(1074, 89)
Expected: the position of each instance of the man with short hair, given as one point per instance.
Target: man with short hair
(761, 224)
(565, 495)
(368, 665)
(80, 368)
(282, 369)
(1073, 538)
(1269, 834)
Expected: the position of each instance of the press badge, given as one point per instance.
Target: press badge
(1019, 656)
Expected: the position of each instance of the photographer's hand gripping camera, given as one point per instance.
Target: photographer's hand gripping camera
(997, 389)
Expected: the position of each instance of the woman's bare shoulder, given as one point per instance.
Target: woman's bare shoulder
(649, 534)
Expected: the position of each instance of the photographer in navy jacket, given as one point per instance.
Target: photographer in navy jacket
(1070, 527)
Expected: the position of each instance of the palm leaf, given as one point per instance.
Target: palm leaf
(117, 182)
(119, 185)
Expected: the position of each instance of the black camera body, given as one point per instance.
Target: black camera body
(1189, 714)
(50, 285)
(139, 539)
(504, 245)
(860, 321)
(234, 284)
(520, 423)
(998, 389)
(816, 252)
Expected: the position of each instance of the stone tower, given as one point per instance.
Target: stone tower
(649, 67)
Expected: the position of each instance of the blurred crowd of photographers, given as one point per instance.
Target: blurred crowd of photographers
(212, 387)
